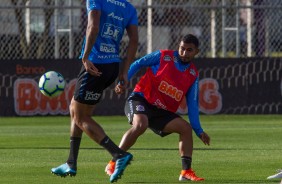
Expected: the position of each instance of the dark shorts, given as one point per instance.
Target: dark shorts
(158, 118)
(89, 88)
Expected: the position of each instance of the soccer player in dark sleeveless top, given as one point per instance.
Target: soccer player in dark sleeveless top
(107, 21)
(170, 76)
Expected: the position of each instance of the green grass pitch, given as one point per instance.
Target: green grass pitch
(244, 149)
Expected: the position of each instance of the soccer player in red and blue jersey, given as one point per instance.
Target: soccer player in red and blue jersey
(170, 76)
(107, 21)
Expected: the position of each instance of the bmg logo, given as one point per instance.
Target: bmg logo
(111, 31)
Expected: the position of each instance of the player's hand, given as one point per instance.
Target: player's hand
(122, 84)
(120, 88)
(205, 138)
(90, 68)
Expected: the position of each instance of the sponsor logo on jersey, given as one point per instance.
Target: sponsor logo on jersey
(193, 72)
(108, 48)
(111, 31)
(115, 16)
(108, 56)
(140, 108)
(170, 90)
(92, 96)
(167, 58)
(118, 3)
(159, 104)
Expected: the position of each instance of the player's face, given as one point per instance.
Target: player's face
(187, 51)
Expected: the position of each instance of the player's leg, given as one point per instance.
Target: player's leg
(81, 121)
(70, 167)
(184, 129)
(81, 108)
(82, 118)
(75, 139)
(136, 111)
(109, 74)
(139, 126)
(88, 92)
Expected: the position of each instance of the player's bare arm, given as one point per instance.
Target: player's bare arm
(91, 35)
(132, 32)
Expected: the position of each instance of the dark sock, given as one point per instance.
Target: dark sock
(186, 162)
(112, 148)
(74, 148)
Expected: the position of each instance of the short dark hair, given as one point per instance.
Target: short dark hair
(189, 38)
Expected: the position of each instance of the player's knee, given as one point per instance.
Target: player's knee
(71, 108)
(79, 118)
(185, 129)
(140, 126)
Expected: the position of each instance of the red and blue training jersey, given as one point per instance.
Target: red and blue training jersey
(167, 81)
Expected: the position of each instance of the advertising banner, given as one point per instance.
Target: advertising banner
(227, 86)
